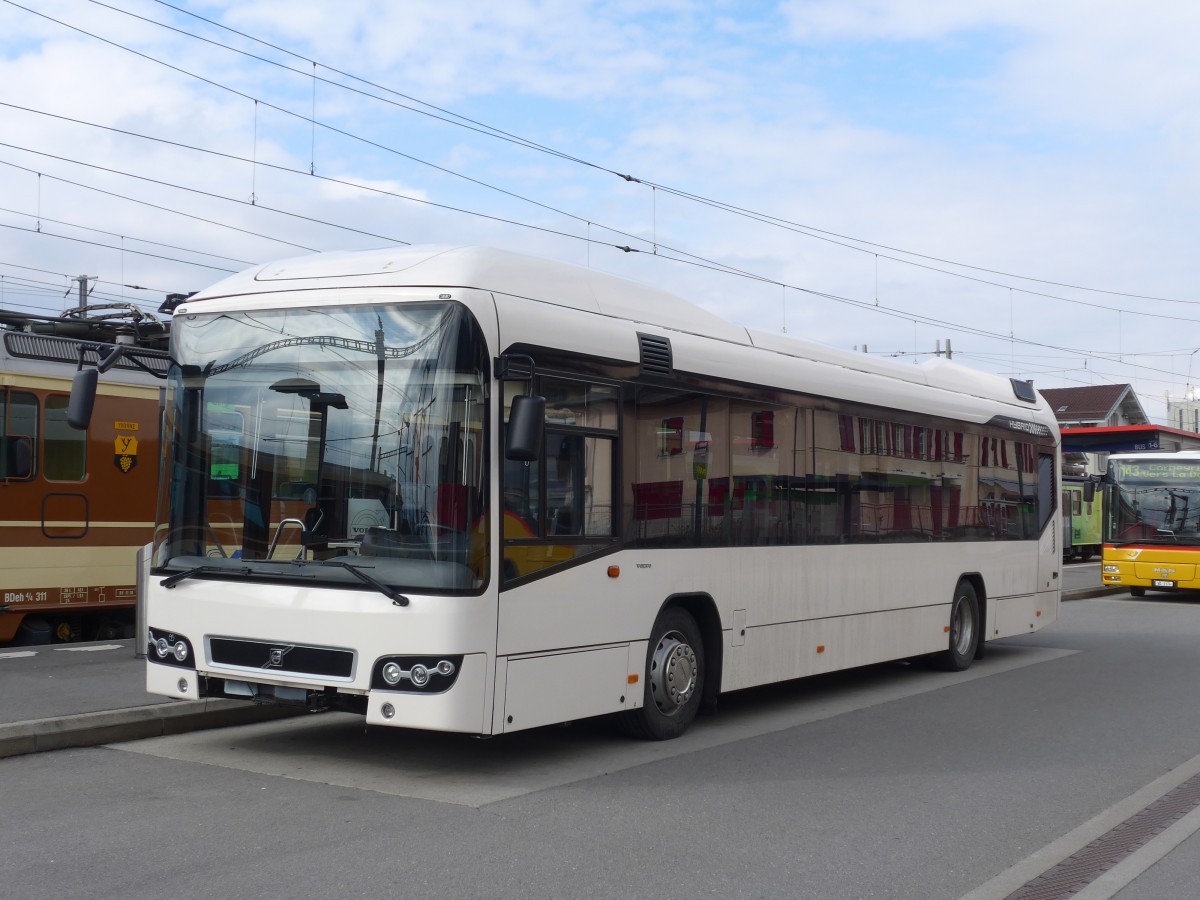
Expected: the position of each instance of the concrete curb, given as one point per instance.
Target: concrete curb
(134, 723)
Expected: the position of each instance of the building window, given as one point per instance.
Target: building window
(671, 435)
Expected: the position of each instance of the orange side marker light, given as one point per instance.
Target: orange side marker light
(614, 571)
(820, 648)
(634, 678)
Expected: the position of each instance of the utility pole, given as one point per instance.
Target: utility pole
(82, 281)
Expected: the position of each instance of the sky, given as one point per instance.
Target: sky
(1018, 179)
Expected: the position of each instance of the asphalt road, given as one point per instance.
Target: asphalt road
(891, 781)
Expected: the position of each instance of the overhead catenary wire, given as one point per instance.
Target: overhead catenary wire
(290, 113)
(694, 260)
(50, 234)
(458, 120)
(461, 121)
(146, 203)
(653, 185)
(15, 288)
(342, 182)
(48, 288)
(171, 210)
(652, 246)
(135, 287)
(688, 259)
(16, 212)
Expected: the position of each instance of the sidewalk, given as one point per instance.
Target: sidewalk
(80, 695)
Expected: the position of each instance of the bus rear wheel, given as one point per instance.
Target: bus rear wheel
(674, 679)
(964, 630)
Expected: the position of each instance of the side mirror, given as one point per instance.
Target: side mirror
(526, 417)
(83, 398)
(1089, 491)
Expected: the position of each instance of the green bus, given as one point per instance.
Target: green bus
(1083, 519)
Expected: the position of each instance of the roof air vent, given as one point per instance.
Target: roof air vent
(656, 355)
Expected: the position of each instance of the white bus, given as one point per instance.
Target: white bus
(467, 490)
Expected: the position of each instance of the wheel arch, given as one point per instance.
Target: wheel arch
(703, 609)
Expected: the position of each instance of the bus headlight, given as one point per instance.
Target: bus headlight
(168, 649)
(392, 673)
(1111, 570)
(416, 673)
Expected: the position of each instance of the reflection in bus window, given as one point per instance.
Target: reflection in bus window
(560, 508)
(314, 435)
(749, 476)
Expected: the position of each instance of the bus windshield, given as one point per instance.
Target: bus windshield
(301, 442)
(1155, 501)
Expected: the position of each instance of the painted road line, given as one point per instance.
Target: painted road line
(1045, 859)
(91, 648)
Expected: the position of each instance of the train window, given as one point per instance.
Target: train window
(18, 435)
(64, 451)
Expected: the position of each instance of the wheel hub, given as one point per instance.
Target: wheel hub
(672, 673)
(962, 629)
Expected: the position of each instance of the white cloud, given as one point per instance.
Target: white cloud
(1064, 148)
(1107, 66)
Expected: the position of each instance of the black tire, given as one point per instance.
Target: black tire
(674, 680)
(965, 634)
(1137, 592)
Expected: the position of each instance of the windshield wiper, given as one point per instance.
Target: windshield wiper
(390, 592)
(171, 580)
(397, 598)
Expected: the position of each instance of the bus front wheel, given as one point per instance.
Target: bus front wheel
(674, 679)
(964, 629)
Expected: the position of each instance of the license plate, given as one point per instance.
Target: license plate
(1162, 584)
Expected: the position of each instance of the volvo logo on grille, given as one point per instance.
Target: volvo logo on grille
(275, 657)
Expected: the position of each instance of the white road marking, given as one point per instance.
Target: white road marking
(333, 749)
(90, 648)
(14, 654)
(1110, 882)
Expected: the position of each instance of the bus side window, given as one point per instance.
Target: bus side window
(564, 484)
(559, 508)
(579, 485)
(1047, 489)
